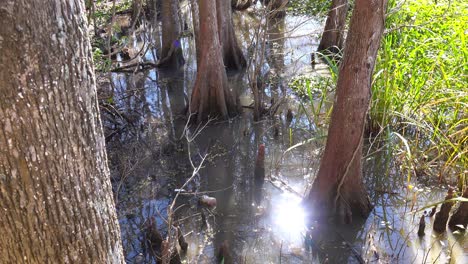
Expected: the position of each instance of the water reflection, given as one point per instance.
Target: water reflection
(259, 218)
(289, 218)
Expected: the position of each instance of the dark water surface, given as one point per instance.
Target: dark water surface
(152, 154)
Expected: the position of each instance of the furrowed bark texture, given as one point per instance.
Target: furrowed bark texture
(338, 189)
(333, 34)
(232, 54)
(55, 190)
(211, 96)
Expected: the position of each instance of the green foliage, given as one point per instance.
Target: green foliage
(420, 83)
(309, 7)
(101, 62)
(312, 87)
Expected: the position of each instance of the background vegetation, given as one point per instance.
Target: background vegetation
(419, 94)
(420, 85)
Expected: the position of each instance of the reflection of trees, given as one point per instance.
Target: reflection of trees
(336, 243)
(275, 58)
(275, 49)
(143, 156)
(230, 174)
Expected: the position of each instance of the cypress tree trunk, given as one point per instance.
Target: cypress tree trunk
(232, 54)
(338, 189)
(211, 96)
(55, 191)
(171, 52)
(333, 34)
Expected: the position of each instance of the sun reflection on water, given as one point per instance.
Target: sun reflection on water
(289, 217)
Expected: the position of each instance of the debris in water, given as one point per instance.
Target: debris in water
(207, 201)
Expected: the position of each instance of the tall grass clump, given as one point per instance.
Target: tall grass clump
(420, 87)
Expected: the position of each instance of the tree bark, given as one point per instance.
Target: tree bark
(211, 96)
(338, 189)
(333, 34)
(171, 51)
(137, 9)
(55, 190)
(232, 54)
(196, 28)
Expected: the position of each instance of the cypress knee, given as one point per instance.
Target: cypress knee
(440, 222)
(422, 226)
(260, 164)
(460, 217)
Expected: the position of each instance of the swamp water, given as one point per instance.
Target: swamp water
(152, 155)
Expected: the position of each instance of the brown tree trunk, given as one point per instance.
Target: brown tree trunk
(55, 191)
(171, 51)
(232, 54)
(137, 9)
(338, 189)
(211, 96)
(333, 34)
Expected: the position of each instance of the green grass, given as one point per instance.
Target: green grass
(420, 84)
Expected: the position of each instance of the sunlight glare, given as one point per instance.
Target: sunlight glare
(289, 216)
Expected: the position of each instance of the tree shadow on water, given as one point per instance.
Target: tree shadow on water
(336, 243)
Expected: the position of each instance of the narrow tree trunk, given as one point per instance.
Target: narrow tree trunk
(196, 28)
(232, 54)
(211, 96)
(137, 7)
(338, 189)
(333, 34)
(171, 52)
(55, 191)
